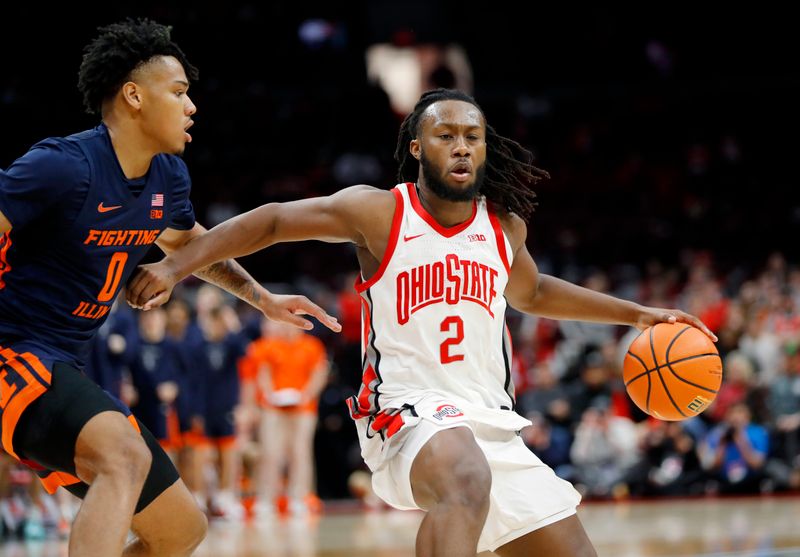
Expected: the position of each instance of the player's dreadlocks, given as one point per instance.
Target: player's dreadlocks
(118, 50)
(509, 166)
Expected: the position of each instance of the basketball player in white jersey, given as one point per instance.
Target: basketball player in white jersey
(439, 259)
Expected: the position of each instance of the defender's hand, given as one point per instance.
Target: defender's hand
(289, 308)
(151, 286)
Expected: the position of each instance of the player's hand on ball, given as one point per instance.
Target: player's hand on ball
(650, 316)
(289, 308)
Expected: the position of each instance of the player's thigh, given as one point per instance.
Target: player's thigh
(161, 475)
(171, 519)
(527, 496)
(565, 538)
(450, 464)
(73, 408)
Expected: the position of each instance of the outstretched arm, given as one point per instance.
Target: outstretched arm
(548, 296)
(231, 276)
(227, 274)
(350, 215)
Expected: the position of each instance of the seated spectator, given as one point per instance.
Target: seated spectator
(735, 451)
(594, 382)
(604, 451)
(546, 390)
(736, 387)
(550, 442)
(783, 466)
(670, 465)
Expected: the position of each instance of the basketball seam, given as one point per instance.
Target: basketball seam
(660, 377)
(669, 395)
(666, 360)
(641, 361)
(686, 359)
(669, 364)
(678, 377)
(650, 381)
(672, 342)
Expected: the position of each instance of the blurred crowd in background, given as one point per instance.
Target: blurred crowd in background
(673, 184)
(253, 412)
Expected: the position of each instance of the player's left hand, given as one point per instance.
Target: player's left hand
(650, 316)
(289, 308)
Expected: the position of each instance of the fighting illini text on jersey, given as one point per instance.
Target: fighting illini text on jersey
(434, 319)
(79, 230)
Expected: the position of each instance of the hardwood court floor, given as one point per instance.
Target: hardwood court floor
(741, 527)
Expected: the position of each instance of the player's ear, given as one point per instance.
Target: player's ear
(415, 149)
(132, 95)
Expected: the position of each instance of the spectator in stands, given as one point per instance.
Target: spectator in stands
(670, 465)
(604, 451)
(735, 452)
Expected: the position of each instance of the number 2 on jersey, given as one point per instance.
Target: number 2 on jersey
(448, 343)
(113, 276)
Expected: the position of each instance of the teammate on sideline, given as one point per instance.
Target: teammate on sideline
(76, 216)
(439, 258)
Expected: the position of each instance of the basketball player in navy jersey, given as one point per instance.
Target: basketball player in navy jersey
(154, 376)
(76, 216)
(220, 352)
(439, 258)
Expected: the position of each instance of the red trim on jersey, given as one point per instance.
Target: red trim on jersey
(447, 232)
(499, 237)
(389, 423)
(397, 219)
(362, 403)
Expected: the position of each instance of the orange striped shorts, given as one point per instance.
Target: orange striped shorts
(24, 377)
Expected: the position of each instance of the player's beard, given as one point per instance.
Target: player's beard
(433, 179)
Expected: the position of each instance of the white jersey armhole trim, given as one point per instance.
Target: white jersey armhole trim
(362, 285)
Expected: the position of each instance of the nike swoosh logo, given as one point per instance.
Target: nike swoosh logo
(409, 238)
(101, 209)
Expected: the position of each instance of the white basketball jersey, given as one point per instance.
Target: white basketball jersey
(434, 314)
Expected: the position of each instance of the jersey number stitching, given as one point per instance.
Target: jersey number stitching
(444, 348)
(113, 276)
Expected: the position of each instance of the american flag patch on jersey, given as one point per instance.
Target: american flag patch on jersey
(157, 200)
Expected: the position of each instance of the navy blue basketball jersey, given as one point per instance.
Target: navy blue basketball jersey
(221, 371)
(79, 229)
(154, 363)
(191, 385)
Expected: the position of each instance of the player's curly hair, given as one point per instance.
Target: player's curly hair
(118, 50)
(509, 166)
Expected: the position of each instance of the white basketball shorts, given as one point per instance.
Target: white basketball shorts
(526, 494)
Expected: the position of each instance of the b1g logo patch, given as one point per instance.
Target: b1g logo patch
(157, 206)
(447, 411)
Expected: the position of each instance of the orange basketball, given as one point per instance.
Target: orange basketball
(672, 371)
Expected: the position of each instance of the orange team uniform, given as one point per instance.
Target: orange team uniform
(291, 365)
